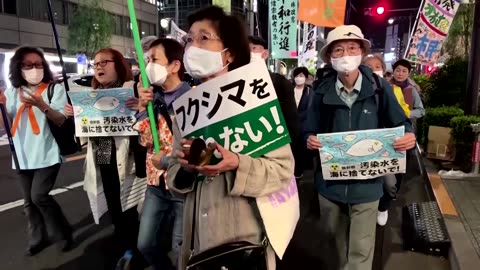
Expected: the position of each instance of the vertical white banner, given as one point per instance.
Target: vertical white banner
(176, 33)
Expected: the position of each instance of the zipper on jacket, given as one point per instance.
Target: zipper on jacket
(350, 119)
(349, 128)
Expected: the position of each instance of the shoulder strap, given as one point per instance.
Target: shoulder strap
(326, 114)
(50, 92)
(194, 218)
(164, 112)
(377, 85)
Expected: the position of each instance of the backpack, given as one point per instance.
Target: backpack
(65, 134)
(328, 112)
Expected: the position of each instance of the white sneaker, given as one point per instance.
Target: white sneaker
(382, 218)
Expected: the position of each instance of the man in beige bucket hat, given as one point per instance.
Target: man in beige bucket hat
(351, 98)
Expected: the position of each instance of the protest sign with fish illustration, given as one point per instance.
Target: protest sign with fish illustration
(360, 155)
(103, 112)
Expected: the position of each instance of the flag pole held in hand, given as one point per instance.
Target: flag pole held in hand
(9, 135)
(143, 74)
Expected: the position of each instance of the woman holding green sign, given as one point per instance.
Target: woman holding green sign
(220, 199)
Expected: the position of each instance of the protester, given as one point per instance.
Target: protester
(146, 43)
(309, 80)
(388, 76)
(29, 110)
(340, 103)
(376, 63)
(165, 72)
(391, 183)
(283, 88)
(109, 162)
(302, 93)
(401, 73)
(225, 209)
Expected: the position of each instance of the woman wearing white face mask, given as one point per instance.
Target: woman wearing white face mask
(38, 154)
(391, 184)
(165, 72)
(302, 97)
(224, 204)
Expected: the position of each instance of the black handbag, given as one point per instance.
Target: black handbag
(241, 255)
(65, 134)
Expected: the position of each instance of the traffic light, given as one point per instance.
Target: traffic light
(380, 10)
(374, 11)
(430, 70)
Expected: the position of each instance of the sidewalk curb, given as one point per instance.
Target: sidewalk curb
(462, 254)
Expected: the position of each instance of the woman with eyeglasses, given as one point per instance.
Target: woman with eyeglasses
(224, 203)
(110, 160)
(29, 111)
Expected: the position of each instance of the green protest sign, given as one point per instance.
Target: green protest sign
(239, 110)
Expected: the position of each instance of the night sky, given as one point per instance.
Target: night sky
(375, 27)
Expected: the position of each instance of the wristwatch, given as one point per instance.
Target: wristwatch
(46, 110)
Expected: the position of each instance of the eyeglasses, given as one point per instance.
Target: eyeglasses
(340, 51)
(200, 38)
(27, 66)
(102, 63)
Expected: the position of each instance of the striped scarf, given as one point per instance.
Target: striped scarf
(105, 145)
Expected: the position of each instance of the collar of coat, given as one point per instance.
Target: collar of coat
(330, 95)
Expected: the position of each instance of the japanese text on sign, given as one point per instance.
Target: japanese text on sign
(359, 155)
(283, 25)
(239, 110)
(434, 22)
(103, 112)
(307, 57)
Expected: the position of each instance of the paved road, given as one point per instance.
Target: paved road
(96, 248)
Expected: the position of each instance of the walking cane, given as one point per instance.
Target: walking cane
(59, 52)
(9, 135)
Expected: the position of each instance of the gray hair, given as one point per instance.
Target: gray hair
(379, 58)
(148, 39)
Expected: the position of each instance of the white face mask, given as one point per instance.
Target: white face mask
(33, 76)
(156, 73)
(346, 64)
(254, 57)
(379, 73)
(300, 80)
(201, 63)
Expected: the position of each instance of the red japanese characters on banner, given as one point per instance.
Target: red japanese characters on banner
(433, 23)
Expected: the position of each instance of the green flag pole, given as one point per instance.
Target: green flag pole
(143, 74)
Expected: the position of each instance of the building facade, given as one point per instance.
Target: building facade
(166, 8)
(26, 22)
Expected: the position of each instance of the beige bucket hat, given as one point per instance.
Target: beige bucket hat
(344, 32)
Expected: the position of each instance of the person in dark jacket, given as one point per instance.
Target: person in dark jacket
(302, 93)
(283, 88)
(348, 208)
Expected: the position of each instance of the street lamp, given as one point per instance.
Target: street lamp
(391, 20)
(164, 23)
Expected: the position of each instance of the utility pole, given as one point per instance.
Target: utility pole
(157, 9)
(348, 9)
(176, 13)
(473, 78)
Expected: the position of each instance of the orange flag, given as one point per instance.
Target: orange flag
(326, 13)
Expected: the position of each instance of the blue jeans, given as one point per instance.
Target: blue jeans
(158, 208)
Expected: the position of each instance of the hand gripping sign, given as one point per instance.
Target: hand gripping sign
(360, 155)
